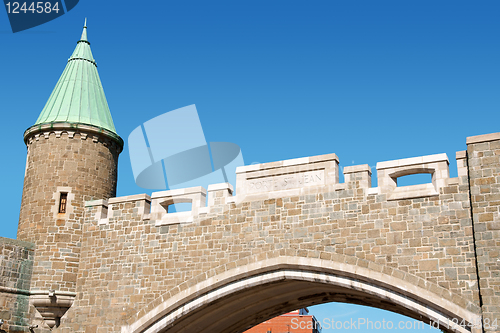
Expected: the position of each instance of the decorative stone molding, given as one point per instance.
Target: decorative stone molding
(52, 304)
(15, 291)
(58, 129)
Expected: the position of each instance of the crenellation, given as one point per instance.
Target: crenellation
(358, 176)
(218, 194)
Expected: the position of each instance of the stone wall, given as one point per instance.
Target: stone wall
(85, 167)
(132, 259)
(62, 160)
(417, 250)
(16, 264)
(484, 168)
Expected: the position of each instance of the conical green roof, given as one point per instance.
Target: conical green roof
(78, 97)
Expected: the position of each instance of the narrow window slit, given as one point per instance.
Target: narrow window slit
(62, 203)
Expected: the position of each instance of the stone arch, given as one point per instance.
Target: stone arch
(167, 203)
(241, 297)
(413, 171)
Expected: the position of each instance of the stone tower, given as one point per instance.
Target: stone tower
(72, 157)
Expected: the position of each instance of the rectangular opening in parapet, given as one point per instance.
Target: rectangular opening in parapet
(415, 179)
(180, 207)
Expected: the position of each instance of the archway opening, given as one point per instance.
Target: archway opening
(241, 298)
(238, 313)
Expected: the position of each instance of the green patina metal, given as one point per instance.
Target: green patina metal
(78, 97)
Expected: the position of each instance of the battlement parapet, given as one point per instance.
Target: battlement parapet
(295, 177)
(155, 207)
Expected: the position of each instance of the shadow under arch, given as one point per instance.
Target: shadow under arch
(242, 297)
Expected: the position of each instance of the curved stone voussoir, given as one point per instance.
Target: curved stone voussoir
(263, 289)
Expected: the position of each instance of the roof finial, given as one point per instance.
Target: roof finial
(84, 33)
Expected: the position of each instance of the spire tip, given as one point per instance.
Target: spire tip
(84, 32)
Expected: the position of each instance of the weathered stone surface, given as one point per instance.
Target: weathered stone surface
(414, 250)
(408, 237)
(483, 153)
(83, 168)
(16, 266)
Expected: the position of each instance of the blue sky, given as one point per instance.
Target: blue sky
(367, 80)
